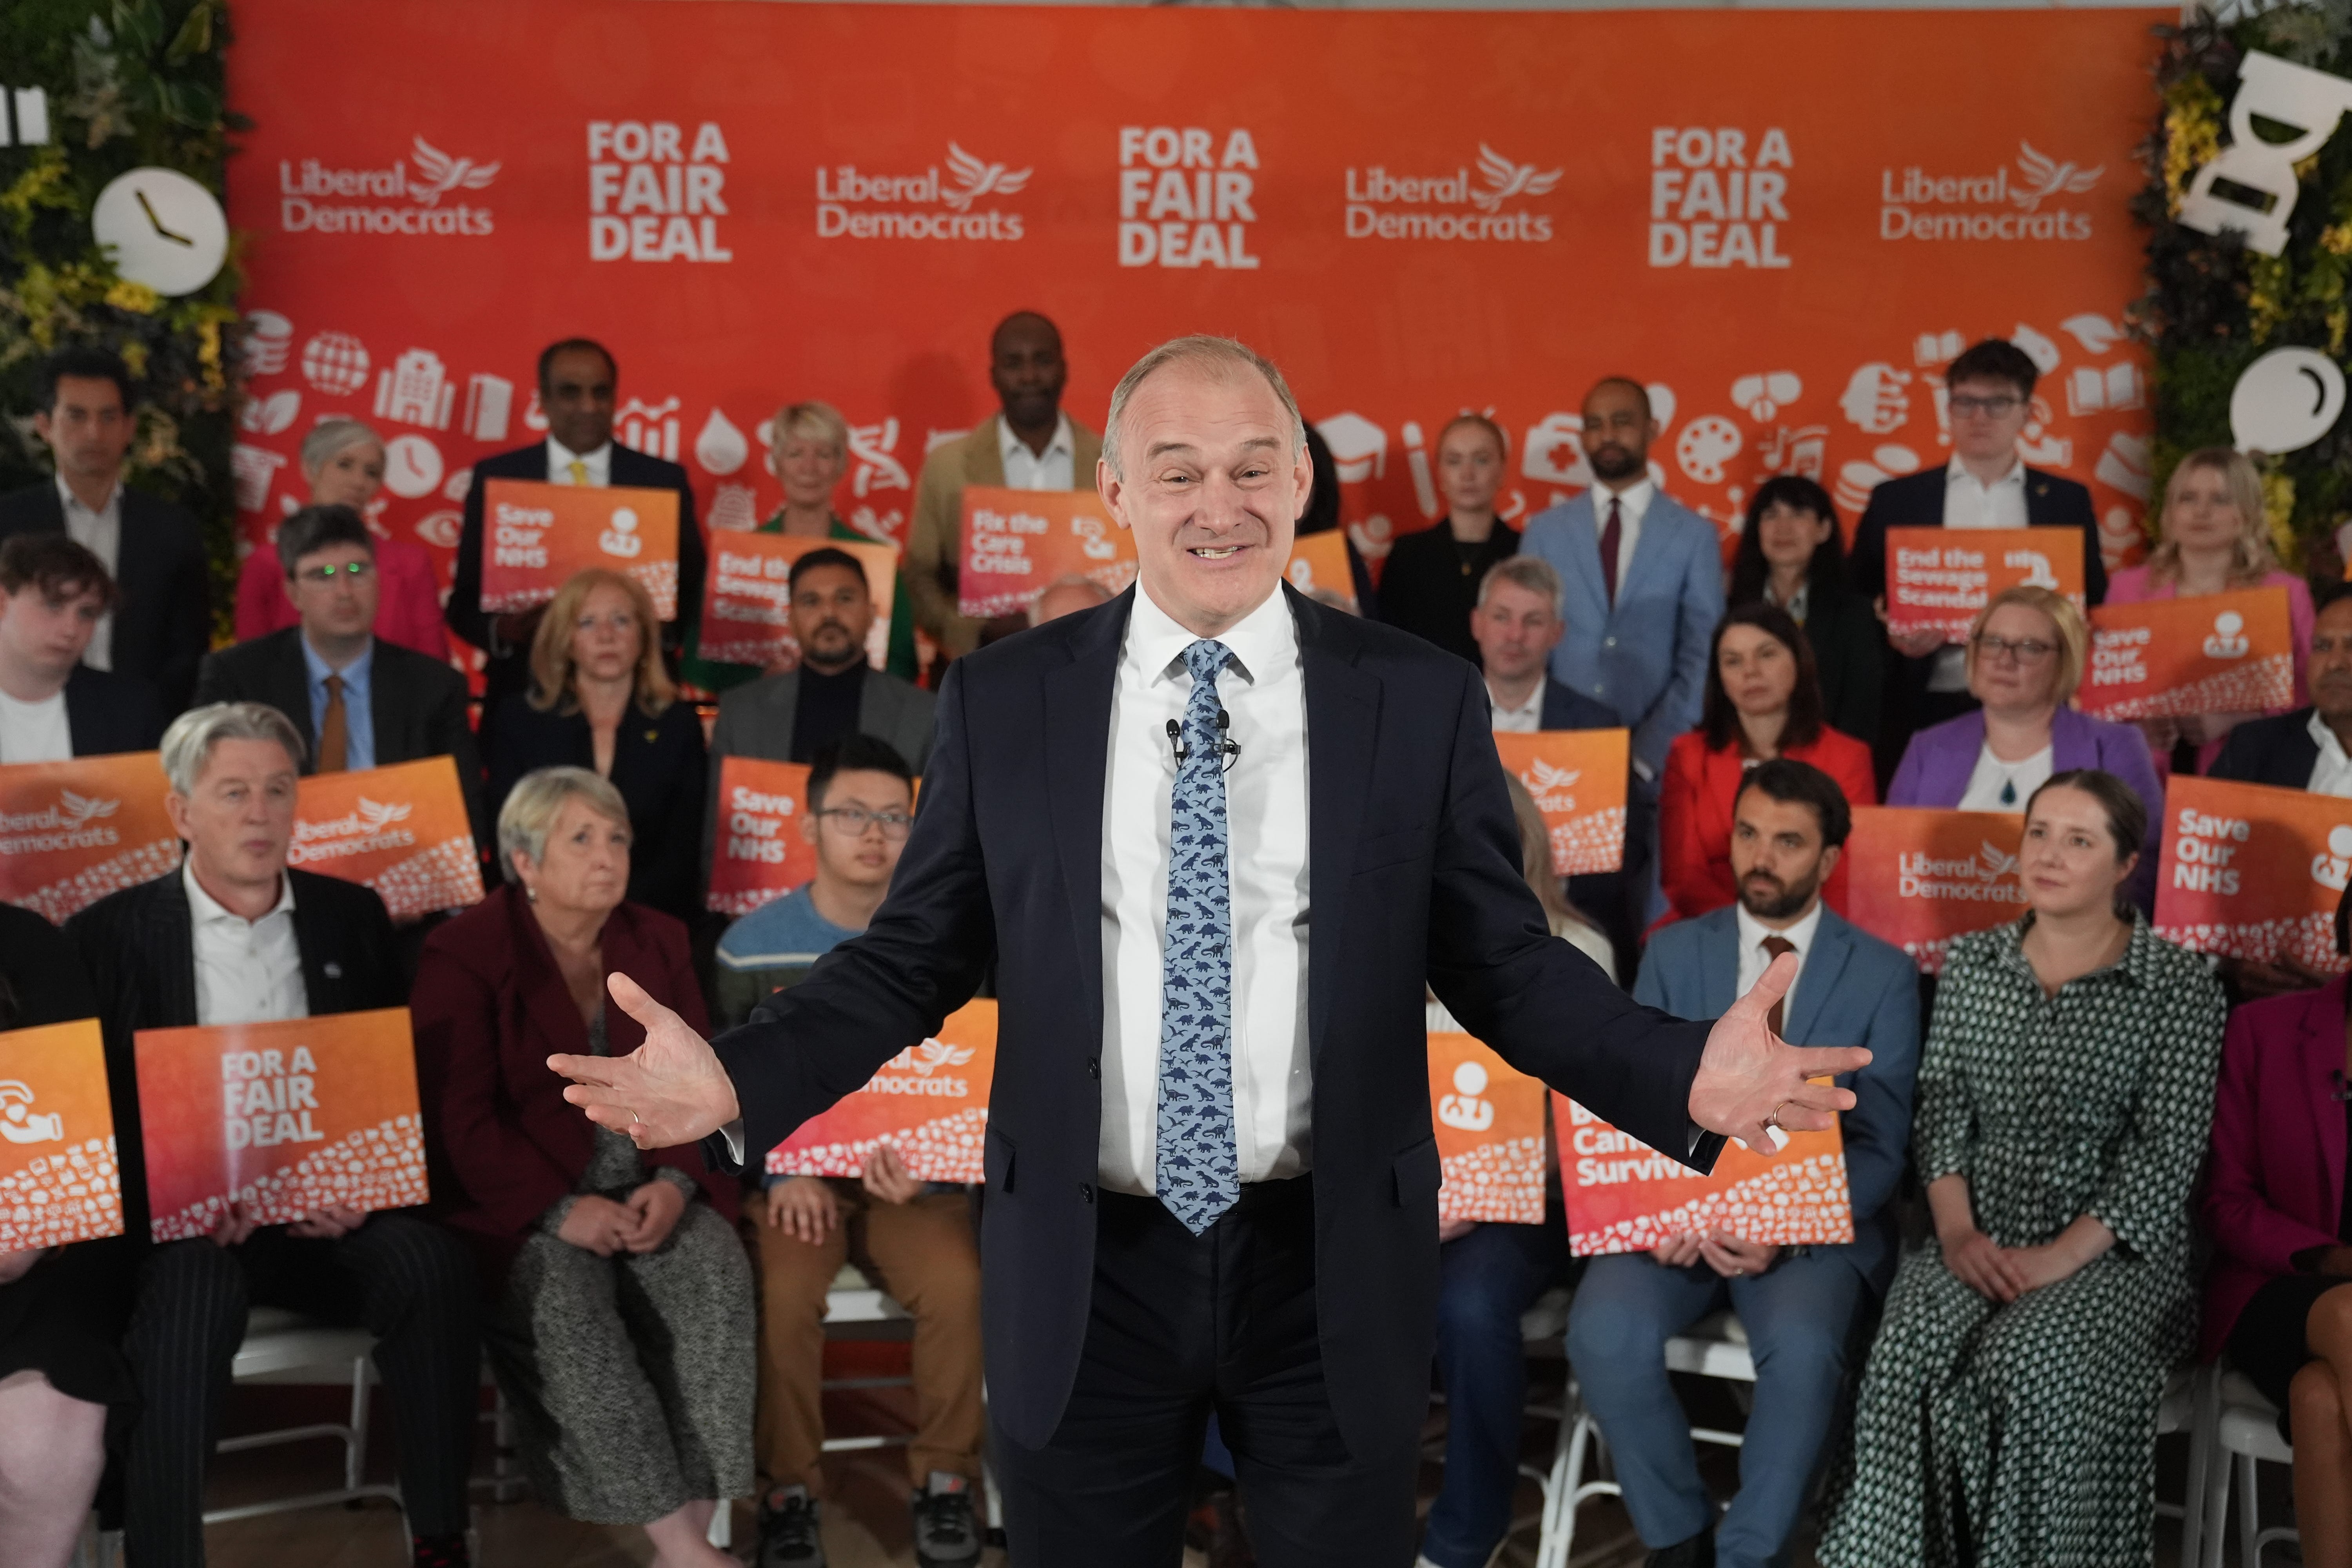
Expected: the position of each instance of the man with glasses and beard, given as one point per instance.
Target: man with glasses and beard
(1798, 1304)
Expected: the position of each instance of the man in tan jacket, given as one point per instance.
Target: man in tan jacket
(1029, 445)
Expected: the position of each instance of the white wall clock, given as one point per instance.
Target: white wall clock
(166, 230)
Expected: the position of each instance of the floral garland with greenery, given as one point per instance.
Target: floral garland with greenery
(2212, 307)
(142, 86)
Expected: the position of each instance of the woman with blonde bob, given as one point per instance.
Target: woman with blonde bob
(599, 700)
(2216, 539)
(2026, 654)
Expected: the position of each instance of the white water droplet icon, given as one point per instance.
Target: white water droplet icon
(720, 448)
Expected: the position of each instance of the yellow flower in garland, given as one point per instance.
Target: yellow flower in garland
(2193, 134)
(2269, 295)
(126, 295)
(2338, 319)
(2336, 238)
(2278, 510)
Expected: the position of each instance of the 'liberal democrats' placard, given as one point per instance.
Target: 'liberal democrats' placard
(400, 830)
(1577, 778)
(930, 1102)
(1919, 877)
(72, 832)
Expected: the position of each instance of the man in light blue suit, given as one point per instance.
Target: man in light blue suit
(1645, 580)
(1798, 1304)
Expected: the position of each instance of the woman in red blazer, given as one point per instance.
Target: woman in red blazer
(2279, 1296)
(1763, 700)
(602, 1259)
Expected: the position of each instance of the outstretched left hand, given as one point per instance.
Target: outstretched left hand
(1750, 1080)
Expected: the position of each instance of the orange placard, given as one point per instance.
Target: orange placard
(535, 537)
(759, 851)
(1318, 565)
(1017, 544)
(1919, 877)
(59, 1180)
(401, 830)
(1938, 578)
(1490, 1121)
(746, 595)
(2217, 653)
(2252, 871)
(1578, 780)
(1624, 1196)
(71, 833)
(930, 1102)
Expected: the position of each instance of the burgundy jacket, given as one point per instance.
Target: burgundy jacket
(2275, 1183)
(489, 1007)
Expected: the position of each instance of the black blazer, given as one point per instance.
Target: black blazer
(417, 705)
(139, 947)
(164, 624)
(1849, 643)
(1413, 856)
(2274, 751)
(106, 713)
(657, 767)
(509, 672)
(1617, 899)
(1424, 590)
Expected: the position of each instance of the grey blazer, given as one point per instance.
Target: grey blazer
(756, 721)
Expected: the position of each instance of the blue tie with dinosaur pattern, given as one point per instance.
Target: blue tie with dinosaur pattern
(1197, 1172)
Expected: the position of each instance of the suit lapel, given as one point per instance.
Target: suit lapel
(314, 944)
(288, 677)
(1584, 539)
(384, 706)
(1343, 711)
(172, 938)
(1831, 947)
(1077, 740)
(983, 463)
(1648, 548)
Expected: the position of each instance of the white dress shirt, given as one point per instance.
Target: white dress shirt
(2332, 774)
(1968, 502)
(1025, 470)
(1632, 506)
(35, 732)
(248, 971)
(1523, 719)
(1754, 961)
(1264, 690)
(598, 464)
(100, 533)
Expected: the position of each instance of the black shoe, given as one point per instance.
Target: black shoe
(789, 1537)
(440, 1551)
(947, 1527)
(1698, 1552)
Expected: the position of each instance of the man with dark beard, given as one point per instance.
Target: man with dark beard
(1798, 1304)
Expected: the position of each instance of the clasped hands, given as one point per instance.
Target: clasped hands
(1729, 1255)
(2001, 1273)
(604, 1226)
(805, 1208)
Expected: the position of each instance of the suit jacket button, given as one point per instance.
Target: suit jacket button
(1094, 1067)
(1087, 1191)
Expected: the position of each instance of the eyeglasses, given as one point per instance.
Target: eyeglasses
(2027, 650)
(619, 621)
(1962, 405)
(354, 570)
(855, 820)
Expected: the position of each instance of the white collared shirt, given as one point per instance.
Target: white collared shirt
(2332, 774)
(248, 971)
(1025, 470)
(1632, 506)
(100, 533)
(1754, 961)
(1523, 719)
(598, 464)
(1968, 502)
(1263, 688)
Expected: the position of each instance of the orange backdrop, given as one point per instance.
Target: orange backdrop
(753, 203)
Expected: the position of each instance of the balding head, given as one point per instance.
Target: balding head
(1221, 360)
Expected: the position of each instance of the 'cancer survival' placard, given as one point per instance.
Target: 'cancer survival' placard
(1578, 780)
(1938, 578)
(1624, 1196)
(535, 537)
(401, 830)
(2251, 871)
(930, 1102)
(1017, 543)
(59, 1180)
(72, 832)
(284, 1118)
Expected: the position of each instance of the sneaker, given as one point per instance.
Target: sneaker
(947, 1527)
(789, 1537)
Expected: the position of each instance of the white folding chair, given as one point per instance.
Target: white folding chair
(283, 1347)
(2244, 1433)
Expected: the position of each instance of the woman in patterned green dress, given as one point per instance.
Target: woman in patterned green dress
(2008, 1414)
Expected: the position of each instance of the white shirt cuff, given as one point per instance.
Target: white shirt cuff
(733, 1133)
(1649, 774)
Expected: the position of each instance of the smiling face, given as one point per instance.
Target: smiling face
(240, 818)
(1469, 468)
(2068, 865)
(832, 611)
(350, 477)
(606, 641)
(2200, 512)
(1758, 669)
(1789, 535)
(1215, 476)
(2017, 658)
(585, 866)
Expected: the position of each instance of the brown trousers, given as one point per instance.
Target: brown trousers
(921, 1254)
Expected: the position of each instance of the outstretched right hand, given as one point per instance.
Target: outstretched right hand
(668, 1091)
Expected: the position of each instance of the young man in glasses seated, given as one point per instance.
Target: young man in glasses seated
(912, 1239)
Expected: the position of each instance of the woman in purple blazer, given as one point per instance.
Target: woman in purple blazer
(2279, 1296)
(2026, 654)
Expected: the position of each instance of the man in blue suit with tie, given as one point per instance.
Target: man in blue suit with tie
(1798, 1304)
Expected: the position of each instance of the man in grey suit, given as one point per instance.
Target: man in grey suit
(1798, 1304)
(788, 718)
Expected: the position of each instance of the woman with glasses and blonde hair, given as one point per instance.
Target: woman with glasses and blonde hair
(2025, 658)
(599, 700)
(2216, 539)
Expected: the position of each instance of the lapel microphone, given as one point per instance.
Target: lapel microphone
(1227, 748)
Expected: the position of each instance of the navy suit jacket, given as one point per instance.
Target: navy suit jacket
(164, 624)
(1855, 989)
(1414, 867)
(1618, 899)
(2278, 750)
(106, 713)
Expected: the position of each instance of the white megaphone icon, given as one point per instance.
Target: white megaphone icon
(19, 1125)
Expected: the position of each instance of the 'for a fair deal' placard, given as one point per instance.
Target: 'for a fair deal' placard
(930, 1102)
(1578, 780)
(1938, 578)
(59, 1180)
(1624, 1196)
(1017, 543)
(759, 852)
(535, 537)
(284, 1118)
(401, 830)
(1919, 877)
(1490, 1120)
(71, 833)
(2217, 653)
(746, 595)
(2250, 871)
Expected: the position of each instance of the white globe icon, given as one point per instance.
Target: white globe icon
(1470, 1078)
(2229, 623)
(2339, 841)
(335, 362)
(625, 520)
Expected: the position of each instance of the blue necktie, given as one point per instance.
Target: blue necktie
(1197, 1172)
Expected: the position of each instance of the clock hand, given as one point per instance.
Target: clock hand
(167, 234)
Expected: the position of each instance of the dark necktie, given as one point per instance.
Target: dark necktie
(334, 729)
(1611, 538)
(1774, 946)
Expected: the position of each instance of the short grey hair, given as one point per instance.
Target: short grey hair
(1221, 357)
(329, 438)
(536, 800)
(188, 744)
(1532, 573)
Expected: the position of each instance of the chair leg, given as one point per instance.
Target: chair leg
(2250, 1523)
(2201, 1421)
(355, 1445)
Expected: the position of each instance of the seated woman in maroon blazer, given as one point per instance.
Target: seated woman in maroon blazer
(1763, 700)
(2279, 1209)
(621, 1321)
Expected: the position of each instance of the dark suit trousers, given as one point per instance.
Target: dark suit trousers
(1183, 1325)
(407, 1280)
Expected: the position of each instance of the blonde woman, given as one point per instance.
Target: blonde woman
(599, 700)
(2216, 538)
(342, 462)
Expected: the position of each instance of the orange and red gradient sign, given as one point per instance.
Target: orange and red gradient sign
(1578, 780)
(1490, 1134)
(1018, 543)
(401, 830)
(758, 850)
(1938, 578)
(537, 537)
(2216, 653)
(1919, 877)
(59, 1178)
(1624, 1196)
(71, 833)
(930, 1102)
(2251, 871)
(1318, 565)
(746, 595)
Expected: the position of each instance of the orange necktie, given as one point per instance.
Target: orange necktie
(334, 729)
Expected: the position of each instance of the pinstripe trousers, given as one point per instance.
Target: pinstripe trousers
(405, 1279)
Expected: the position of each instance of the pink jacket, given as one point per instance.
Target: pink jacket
(408, 608)
(2275, 1185)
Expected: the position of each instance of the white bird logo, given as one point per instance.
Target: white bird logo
(976, 178)
(1505, 179)
(1992, 864)
(79, 808)
(2049, 177)
(1542, 777)
(442, 174)
(374, 814)
(931, 1054)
